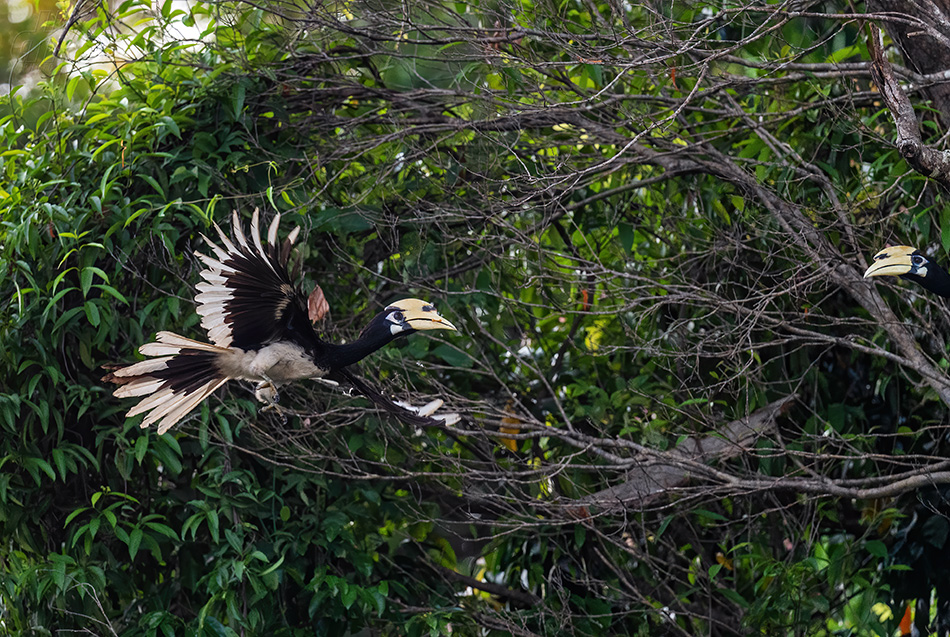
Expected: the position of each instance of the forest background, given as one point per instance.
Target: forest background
(684, 412)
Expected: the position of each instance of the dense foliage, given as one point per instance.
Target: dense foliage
(650, 223)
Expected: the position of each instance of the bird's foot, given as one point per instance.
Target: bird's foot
(266, 392)
(280, 411)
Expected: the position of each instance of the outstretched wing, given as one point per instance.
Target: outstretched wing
(247, 299)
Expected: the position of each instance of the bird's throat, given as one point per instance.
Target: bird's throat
(338, 356)
(937, 280)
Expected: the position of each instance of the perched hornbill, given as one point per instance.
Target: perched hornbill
(260, 330)
(908, 263)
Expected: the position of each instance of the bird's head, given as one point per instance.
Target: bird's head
(410, 315)
(397, 320)
(909, 263)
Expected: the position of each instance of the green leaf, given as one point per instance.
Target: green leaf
(212, 518)
(92, 314)
(842, 54)
(85, 280)
(59, 570)
(72, 516)
(31, 463)
(151, 181)
(111, 291)
(453, 356)
(164, 529)
(141, 448)
(349, 596)
(735, 597)
(170, 125)
(216, 628)
(135, 540)
(876, 548)
(274, 566)
(59, 459)
(378, 601)
(237, 100)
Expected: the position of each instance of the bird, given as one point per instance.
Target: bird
(260, 330)
(910, 263)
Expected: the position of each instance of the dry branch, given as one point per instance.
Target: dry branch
(926, 160)
(656, 477)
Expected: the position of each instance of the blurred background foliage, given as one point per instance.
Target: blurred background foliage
(603, 196)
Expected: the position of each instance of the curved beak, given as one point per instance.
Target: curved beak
(891, 261)
(428, 321)
(421, 315)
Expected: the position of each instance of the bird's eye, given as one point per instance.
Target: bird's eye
(917, 260)
(397, 316)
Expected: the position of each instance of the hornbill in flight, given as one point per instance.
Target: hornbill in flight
(909, 263)
(260, 330)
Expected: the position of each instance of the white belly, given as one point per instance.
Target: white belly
(278, 362)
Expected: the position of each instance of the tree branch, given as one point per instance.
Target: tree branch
(656, 477)
(523, 597)
(925, 160)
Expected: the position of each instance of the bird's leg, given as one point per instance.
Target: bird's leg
(280, 410)
(266, 392)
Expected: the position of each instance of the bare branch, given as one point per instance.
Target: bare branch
(932, 163)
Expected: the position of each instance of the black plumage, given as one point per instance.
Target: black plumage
(260, 330)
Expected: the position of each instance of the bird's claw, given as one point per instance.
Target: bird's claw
(280, 411)
(266, 392)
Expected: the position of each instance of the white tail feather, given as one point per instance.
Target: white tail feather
(139, 387)
(216, 267)
(165, 393)
(189, 402)
(256, 236)
(169, 344)
(293, 235)
(430, 408)
(159, 349)
(177, 400)
(213, 277)
(211, 319)
(151, 402)
(272, 231)
(213, 295)
(143, 367)
(174, 339)
(221, 254)
(211, 311)
(238, 231)
(228, 246)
